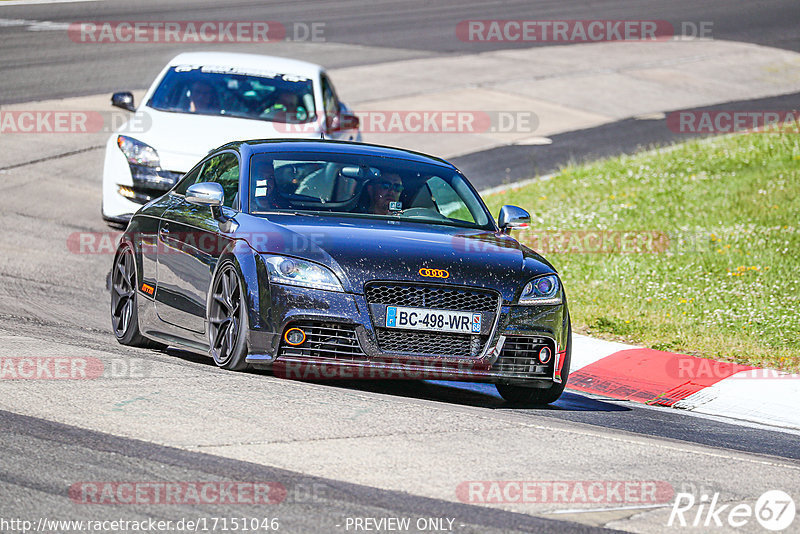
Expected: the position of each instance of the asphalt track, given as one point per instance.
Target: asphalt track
(37, 65)
(512, 163)
(372, 449)
(311, 504)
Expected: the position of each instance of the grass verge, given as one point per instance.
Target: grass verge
(694, 249)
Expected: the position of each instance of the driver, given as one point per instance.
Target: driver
(203, 98)
(381, 191)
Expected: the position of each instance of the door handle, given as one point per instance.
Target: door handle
(165, 229)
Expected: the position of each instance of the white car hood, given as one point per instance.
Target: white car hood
(182, 139)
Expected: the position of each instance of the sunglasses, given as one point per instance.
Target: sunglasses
(397, 188)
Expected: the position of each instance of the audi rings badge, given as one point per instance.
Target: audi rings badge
(434, 273)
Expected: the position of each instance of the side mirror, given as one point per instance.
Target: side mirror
(123, 100)
(512, 217)
(345, 119)
(205, 194)
(348, 121)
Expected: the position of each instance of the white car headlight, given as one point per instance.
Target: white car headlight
(542, 290)
(291, 271)
(138, 153)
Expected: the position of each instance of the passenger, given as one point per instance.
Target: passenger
(287, 102)
(287, 108)
(265, 195)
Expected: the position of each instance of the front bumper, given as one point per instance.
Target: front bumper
(343, 342)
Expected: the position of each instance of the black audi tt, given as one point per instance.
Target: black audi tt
(325, 259)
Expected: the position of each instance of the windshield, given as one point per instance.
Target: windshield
(364, 186)
(224, 91)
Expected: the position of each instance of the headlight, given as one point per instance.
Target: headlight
(542, 290)
(283, 270)
(137, 152)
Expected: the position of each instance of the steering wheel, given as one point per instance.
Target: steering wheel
(424, 213)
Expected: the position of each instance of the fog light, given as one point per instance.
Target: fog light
(126, 191)
(294, 336)
(544, 355)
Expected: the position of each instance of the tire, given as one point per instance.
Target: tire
(124, 313)
(227, 319)
(526, 396)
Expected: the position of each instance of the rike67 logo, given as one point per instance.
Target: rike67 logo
(774, 510)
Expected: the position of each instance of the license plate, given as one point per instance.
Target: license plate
(433, 320)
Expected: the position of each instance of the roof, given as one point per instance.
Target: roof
(279, 65)
(346, 147)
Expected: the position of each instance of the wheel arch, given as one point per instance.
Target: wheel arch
(253, 278)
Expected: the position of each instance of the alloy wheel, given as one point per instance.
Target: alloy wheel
(123, 293)
(224, 317)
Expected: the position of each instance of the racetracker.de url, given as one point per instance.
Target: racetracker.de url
(125, 526)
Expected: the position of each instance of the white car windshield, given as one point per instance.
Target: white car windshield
(234, 93)
(364, 186)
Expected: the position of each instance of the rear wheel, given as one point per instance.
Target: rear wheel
(124, 315)
(522, 395)
(227, 319)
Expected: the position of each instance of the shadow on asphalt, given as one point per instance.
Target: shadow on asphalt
(463, 393)
(662, 423)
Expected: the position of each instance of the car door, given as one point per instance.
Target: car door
(339, 120)
(190, 243)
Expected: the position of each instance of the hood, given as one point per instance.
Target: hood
(183, 139)
(361, 250)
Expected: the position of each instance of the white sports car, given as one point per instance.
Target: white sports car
(202, 100)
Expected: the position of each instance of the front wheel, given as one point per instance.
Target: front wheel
(522, 395)
(227, 319)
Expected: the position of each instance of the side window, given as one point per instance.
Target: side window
(223, 169)
(447, 201)
(330, 101)
(188, 179)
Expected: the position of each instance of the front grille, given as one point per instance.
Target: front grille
(334, 341)
(432, 296)
(519, 357)
(435, 297)
(440, 344)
